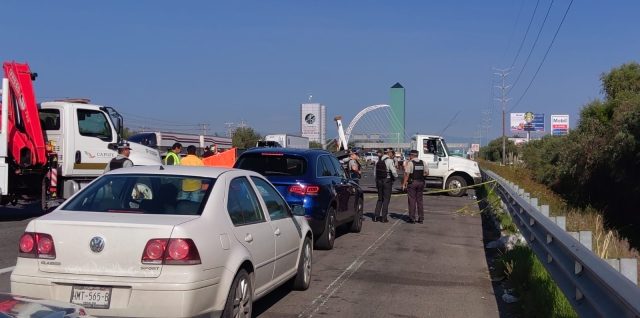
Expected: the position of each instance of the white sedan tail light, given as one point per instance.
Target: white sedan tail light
(176, 251)
(36, 245)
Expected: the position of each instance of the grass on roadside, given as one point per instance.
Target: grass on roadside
(488, 194)
(606, 243)
(538, 294)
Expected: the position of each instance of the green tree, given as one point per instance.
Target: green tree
(245, 137)
(493, 151)
(315, 145)
(625, 78)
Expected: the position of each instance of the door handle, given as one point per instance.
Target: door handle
(277, 231)
(248, 238)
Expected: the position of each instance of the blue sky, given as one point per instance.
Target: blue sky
(177, 64)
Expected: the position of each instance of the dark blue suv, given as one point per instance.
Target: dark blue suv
(314, 179)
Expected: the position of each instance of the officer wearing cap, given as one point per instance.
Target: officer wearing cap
(385, 173)
(122, 159)
(413, 183)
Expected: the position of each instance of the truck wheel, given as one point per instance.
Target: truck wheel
(454, 184)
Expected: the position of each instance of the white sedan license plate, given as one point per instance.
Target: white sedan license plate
(91, 296)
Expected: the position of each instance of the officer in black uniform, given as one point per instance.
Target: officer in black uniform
(122, 159)
(385, 175)
(413, 182)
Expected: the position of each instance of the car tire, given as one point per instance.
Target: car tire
(356, 225)
(240, 300)
(325, 242)
(302, 280)
(456, 182)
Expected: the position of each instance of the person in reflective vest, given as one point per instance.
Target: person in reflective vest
(385, 173)
(173, 155)
(122, 159)
(413, 183)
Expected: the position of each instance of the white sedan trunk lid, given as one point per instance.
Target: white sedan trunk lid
(124, 237)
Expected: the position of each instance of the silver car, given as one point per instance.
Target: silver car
(166, 242)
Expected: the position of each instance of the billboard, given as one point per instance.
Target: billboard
(312, 122)
(527, 122)
(475, 147)
(559, 125)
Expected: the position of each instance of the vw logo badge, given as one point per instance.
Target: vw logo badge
(96, 244)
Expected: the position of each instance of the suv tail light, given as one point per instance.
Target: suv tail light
(304, 189)
(36, 245)
(176, 251)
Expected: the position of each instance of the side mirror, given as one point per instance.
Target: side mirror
(298, 210)
(112, 146)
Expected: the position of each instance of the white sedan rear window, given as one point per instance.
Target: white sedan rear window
(145, 194)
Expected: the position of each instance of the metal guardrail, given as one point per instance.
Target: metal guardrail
(593, 287)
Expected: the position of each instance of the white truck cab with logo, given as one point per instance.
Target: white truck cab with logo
(85, 136)
(445, 171)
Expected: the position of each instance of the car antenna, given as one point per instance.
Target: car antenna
(161, 167)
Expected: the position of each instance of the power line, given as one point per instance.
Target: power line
(525, 34)
(513, 29)
(544, 58)
(533, 46)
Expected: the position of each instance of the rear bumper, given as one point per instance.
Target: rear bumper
(132, 299)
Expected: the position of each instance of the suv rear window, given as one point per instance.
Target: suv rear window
(144, 194)
(273, 164)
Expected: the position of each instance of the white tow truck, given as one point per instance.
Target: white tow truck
(445, 171)
(51, 150)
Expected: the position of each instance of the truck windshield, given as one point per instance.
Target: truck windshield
(93, 123)
(443, 150)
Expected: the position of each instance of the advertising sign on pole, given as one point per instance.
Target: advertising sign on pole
(475, 147)
(559, 125)
(527, 122)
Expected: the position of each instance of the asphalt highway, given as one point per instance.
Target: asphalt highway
(395, 269)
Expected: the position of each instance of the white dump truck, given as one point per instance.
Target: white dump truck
(445, 171)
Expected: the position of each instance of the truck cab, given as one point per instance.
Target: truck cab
(445, 171)
(84, 136)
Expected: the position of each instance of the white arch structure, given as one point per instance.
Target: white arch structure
(363, 112)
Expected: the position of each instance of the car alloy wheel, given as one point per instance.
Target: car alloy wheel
(302, 280)
(307, 263)
(332, 227)
(242, 299)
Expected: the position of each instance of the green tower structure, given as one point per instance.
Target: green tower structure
(397, 104)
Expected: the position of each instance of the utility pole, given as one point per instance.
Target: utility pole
(204, 129)
(503, 73)
(229, 129)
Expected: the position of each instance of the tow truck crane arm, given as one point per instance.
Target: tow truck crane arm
(25, 139)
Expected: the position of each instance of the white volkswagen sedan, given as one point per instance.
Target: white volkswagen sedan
(166, 241)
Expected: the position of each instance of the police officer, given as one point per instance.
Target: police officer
(122, 159)
(173, 155)
(414, 176)
(385, 175)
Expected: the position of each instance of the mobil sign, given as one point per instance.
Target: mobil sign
(559, 125)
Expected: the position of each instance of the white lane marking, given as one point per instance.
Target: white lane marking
(319, 301)
(7, 270)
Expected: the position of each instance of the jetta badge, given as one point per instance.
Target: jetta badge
(96, 244)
